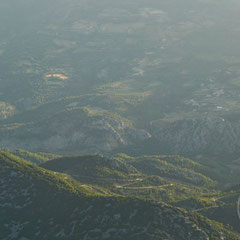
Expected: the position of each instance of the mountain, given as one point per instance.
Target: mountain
(142, 62)
(94, 169)
(156, 180)
(171, 167)
(41, 204)
(214, 136)
(174, 180)
(124, 167)
(74, 129)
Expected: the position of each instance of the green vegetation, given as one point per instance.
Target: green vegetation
(129, 113)
(171, 167)
(94, 169)
(37, 203)
(37, 158)
(15, 166)
(171, 179)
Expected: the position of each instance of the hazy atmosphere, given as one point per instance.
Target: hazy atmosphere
(119, 120)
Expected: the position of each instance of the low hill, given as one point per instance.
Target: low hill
(170, 166)
(147, 177)
(93, 168)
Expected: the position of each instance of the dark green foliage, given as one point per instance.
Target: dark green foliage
(145, 78)
(40, 204)
(171, 167)
(37, 158)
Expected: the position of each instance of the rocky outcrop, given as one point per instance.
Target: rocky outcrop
(6, 110)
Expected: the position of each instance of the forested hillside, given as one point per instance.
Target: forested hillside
(41, 204)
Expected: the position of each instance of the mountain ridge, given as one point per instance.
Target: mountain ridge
(49, 217)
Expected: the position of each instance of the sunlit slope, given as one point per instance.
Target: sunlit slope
(158, 179)
(93, 168)
(40, 204)
(172, 179)
(173, 168)
(36, 158)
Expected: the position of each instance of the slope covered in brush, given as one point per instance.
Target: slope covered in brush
(74, 129)
(40, 204)
(37, 158)
(226, 208)
(148, 177)
(93, 168)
